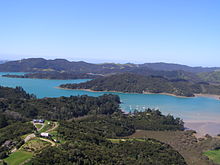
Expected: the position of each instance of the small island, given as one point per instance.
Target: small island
(55, 75)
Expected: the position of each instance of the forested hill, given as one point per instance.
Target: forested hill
(133, 83)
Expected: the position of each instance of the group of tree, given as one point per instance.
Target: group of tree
(14, 93)
(62, 108)
(86, 123)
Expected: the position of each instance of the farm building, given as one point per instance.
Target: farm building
(38, 120)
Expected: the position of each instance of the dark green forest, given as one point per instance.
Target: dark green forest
(62, 108)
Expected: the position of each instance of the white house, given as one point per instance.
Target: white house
(44, 134)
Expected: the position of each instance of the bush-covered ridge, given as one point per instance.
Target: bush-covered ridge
(133, 83)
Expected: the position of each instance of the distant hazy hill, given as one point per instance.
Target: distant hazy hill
(169, 71)
(40, 64)
(172, 67)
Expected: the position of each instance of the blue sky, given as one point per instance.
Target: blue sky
(179, 31)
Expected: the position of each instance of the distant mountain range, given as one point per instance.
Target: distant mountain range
(3, 61)
(40, 64)
(166, 70)
(172, 67)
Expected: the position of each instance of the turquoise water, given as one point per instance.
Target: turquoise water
(200, 108)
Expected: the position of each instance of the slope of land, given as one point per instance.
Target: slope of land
(185, 143)
(213, 77)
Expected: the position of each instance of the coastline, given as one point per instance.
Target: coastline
(216, 97)
(202, 127)
(146, 93)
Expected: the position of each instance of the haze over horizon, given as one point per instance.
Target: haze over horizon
(103, 61)
(121, 31)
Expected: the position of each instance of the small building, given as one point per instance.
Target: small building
(7, 143)
(56, 141)
(38, 120)
(44, 134)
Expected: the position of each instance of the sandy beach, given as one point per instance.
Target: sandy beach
(203, 128)
(168, 94)
(208, 95)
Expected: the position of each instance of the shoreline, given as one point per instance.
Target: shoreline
(213, 96)
(44, 78)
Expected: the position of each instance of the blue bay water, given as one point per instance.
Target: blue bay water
(189, 109)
